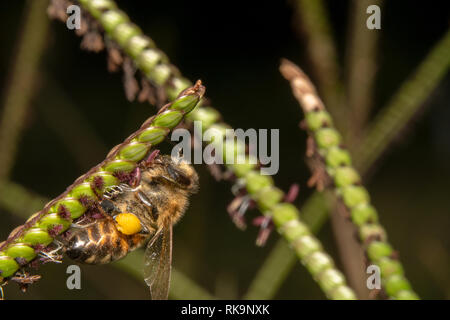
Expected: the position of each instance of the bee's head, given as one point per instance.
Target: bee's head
(176, 171)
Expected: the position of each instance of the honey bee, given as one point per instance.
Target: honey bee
(158, 202)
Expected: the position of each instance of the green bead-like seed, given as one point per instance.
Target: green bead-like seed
(337, 157)
(372, 231)
(160, 74)
(96, 7)
(219, 130)
(74, 206)
(120, 166)
(52, 220)
(8, 266)
(395, 284)
(36, 236)
(186, 103)
(241, 169)
(233, 151)
(284, 212)
(82, 190)
(407, 295)
(112, 18)
(149, 58)
(315, 120)
(207, 115)
(306, 245)
(344, 176)
(107, 179)
(256, 182)
(168, 119)
(136, 44)
(153, 135)
(177, 84)
(390, 267)
(134, 152)
(354, 195)
(123, 32)
(343, 293)
(318, 262)
(294, 229)
(330, 279)
(377, 249)
(269, 197)
(327, 138)
(363, 213)
(20, 250)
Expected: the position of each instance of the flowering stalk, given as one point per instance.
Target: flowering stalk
(404, 105)
(28, 240)
(156, 68)
(347, 184)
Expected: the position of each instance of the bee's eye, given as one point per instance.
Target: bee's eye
(177, 176)
(108, 206)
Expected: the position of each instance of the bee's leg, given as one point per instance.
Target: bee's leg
(46, 257)
(54, 255)
(148, 206)
(80, 225)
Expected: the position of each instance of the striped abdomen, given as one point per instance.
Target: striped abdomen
(101, 243)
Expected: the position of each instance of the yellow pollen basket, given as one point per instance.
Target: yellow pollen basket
(128, 223)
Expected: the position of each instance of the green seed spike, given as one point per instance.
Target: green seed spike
(58, 214)
(156, 67)
(346, 179)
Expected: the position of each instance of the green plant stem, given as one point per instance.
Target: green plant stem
(25, 242)
(264, 285)
(347, 183)
(156, 68)
(404, 104)
(29, 51)
(362, 67)
(20, 201)
(421, 83)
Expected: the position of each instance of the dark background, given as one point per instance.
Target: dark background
(235, 47)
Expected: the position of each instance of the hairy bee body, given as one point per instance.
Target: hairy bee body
(102, 243)
(159, 200)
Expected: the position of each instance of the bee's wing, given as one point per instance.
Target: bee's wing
(158, 263)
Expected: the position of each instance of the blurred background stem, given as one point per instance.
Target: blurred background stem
(362, 44)
(29, 50)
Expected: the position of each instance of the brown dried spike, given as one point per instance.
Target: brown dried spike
(148, 92)
(57, 9)
(115, 59)
(86, 24)
(92, 41)
(129, 81)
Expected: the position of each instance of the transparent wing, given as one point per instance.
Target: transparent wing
(158, 263)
